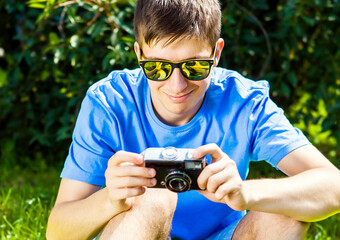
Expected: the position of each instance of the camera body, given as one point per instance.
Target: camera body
(176, 169)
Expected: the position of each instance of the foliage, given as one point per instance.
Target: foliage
(54, 49)
(295, 46)
(47, 66)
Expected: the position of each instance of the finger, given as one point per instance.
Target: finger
(209, 195)
(209, 149)
(123, 193)
(208, 171)
(134, 171)
(218, 179)
(227, 188)
(131, 182)
(126, 157)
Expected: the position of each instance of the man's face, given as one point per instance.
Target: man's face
(176, 100)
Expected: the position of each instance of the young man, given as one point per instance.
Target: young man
(180, 98)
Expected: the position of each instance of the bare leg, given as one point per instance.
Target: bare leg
(259, 225)
(149, 218)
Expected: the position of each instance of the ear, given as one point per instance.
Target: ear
(219, 48)
(136, 48)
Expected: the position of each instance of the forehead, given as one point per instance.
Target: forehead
(176, 51)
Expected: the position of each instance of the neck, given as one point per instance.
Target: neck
(175, 119)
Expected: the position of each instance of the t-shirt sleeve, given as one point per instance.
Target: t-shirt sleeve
(92, 143)
(271, 134)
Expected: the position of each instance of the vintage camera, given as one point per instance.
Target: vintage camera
(176, 169)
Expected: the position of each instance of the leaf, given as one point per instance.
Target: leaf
(37, 5)
(53, 38)
(74, 41)
(285, 89)
(3, 78)
(292, 79)
(128, 39)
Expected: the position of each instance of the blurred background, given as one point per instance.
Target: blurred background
(51, 51)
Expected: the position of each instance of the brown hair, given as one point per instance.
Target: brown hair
(177, 19)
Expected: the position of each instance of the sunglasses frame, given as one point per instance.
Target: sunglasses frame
(174, 65)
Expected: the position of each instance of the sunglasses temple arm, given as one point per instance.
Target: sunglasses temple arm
(139, 54)
(215, 52)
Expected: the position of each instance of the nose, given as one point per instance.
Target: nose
(177, 82)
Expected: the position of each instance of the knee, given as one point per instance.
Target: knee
(151, 216)
(259, 225)
(157, 200)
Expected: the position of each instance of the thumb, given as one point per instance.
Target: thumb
(209, 195)
(209, 149)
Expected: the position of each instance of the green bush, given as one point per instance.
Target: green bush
(54, 50)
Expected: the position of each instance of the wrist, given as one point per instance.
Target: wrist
(249, 192)
(113, 206)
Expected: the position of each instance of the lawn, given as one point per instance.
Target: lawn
(27, 196)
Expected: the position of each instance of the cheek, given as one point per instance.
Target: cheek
(155, 85)
(203, 86)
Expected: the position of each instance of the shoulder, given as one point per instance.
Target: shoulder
(232, 84)
(118, 79)
(119, 85)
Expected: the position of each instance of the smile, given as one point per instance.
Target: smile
(178, 99)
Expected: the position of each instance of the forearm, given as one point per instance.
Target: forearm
(82, 219)
(309, 196)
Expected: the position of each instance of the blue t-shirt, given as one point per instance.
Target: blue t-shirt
(237, 114)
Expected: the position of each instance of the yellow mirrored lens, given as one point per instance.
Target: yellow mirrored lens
(196, 69)
(157, 70)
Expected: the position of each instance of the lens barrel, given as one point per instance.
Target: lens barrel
(178, 182)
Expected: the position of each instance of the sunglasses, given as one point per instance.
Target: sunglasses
(192, 69)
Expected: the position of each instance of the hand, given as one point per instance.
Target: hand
(126, 178)
(221, 179)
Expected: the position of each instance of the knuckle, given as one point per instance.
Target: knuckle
(230, 163)
(127, 191)
(208, 169)
(214, 145)
(238, 185)
(111, 161)
(106, 174)
(128, 182)
(200, 183)
(119, 152)
(144, 172)
(110, 171)
(213, 180)
(223, 190)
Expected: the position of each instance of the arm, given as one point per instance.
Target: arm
(82, 210)
(310, 193)
(79, 206)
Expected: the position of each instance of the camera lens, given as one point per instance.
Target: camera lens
(178, 182)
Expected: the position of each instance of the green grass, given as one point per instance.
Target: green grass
(27, 196)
